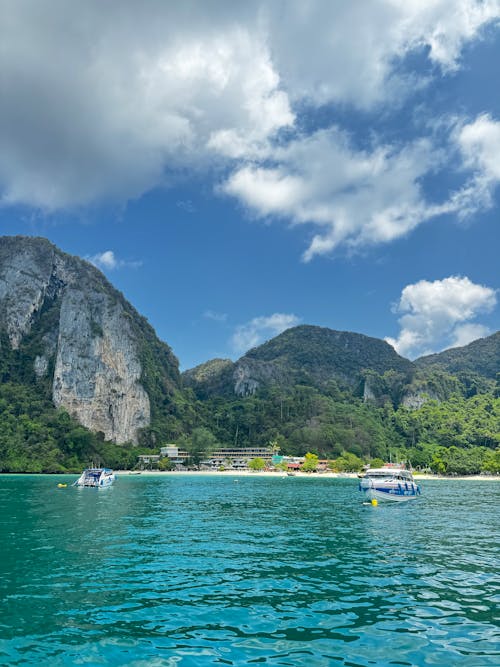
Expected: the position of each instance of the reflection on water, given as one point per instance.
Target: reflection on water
(196, 571)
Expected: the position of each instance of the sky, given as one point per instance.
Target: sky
(236, 169)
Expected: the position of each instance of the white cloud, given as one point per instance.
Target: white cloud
(160, 90)
(262, 328)
(348, 51)
(466, 333)
(107, 260)
(437, 315)
(479, 145)
(357, 198)
(169, 88)
(354, 197)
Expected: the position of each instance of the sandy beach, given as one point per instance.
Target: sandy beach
(304, 475)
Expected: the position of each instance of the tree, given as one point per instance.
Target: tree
(275, 447)
(257, 464)
(165, 464)
(377, 463)
(348, 462)
(200, 444)
(310, 463)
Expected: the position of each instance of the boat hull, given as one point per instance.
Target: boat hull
(390, 491)
(385, 495)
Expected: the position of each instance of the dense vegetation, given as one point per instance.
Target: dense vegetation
(336, 395)
(317, 353)
(460, 435)
(479, 357)
(35, 437)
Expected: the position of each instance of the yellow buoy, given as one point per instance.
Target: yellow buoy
(62, 486)
(374, 502)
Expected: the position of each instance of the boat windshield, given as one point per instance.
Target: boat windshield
(379, 473)
(393, 473)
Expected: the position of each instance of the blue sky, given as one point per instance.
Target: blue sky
(235, 170)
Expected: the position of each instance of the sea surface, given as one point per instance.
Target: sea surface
(192, 570)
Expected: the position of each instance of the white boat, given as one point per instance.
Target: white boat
(96, 477)
(391, 482)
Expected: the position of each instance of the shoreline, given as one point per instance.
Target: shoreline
(306, 475)
(250, 473)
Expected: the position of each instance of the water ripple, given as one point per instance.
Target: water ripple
(189, 571)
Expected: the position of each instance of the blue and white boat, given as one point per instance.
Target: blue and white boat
(391, 482)
(98, 478)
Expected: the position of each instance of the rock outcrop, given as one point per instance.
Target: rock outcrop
(89, 340)
(306, 355)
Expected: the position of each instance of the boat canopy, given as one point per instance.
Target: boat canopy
(393, 473)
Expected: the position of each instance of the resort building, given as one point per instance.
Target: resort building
(148, 461)
(236, 459)
(177, 456)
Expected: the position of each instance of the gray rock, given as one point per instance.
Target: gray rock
(91, 340)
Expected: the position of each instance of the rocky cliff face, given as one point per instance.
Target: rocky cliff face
(88, 339)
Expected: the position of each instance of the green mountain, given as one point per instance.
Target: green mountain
(330, 392)
(481, 357)
(84, 377)
(306, 355)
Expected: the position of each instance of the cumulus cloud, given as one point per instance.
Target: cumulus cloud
(438, 314)
(365, 197)
(348, 51)
(479, 144)
(465, 333)
(262, 328)
(354, 197)
(107, 260)
(162, 89)
(174, 88)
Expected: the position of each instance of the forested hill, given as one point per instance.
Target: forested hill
(307, 355)
(323, 352)
(481, 357)
(349, 397)
(84, 378)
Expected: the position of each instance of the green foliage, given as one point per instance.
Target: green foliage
(35, 437)
(199, 445)
(347, 462)
(257, 464)
(310, 463)
(165, 464)
(480, 358)
(455, 461)
(299, 419)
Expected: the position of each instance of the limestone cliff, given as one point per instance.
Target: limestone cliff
(85, 339)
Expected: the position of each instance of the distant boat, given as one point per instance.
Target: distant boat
(389, 483)
(98, 478)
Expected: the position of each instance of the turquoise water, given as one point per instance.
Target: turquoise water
(194, 571)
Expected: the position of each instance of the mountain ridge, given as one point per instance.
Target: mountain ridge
(481, 356)
(76, 355)
(306, 354)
